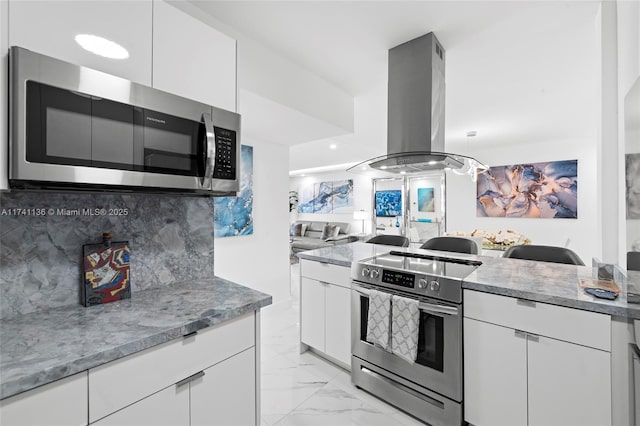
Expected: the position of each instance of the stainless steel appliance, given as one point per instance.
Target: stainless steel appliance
(73, 127)
(431, 388)
(415, 115)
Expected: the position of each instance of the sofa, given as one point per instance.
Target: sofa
(307, 235)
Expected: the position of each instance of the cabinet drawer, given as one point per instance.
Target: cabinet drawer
(122, 382)
(326, 272)
(568, 324)
(63, 402)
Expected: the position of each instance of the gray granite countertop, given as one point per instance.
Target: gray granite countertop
(44, 346)
(539, 281)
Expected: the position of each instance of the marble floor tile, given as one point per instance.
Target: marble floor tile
(305, 389)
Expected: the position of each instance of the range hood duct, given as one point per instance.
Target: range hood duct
(415, 114)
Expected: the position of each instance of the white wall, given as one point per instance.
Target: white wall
(261, 260)
(361, 199)
(629, 123)
(4, 95)
(581, 233)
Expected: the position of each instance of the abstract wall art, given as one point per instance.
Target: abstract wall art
(388, 203)
(233, 216)
(326, 197)
(632, 178)
(533, 190)
(426, 201)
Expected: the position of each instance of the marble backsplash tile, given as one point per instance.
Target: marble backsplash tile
(171, 239)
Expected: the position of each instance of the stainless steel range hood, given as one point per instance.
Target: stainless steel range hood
(415, 114)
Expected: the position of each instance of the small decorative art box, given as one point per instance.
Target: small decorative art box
(106, 276)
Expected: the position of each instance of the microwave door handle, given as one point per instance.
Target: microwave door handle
(210, 149)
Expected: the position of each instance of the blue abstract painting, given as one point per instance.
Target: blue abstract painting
(327, 197)
(233, 216)
(536, 190)
(426, 202)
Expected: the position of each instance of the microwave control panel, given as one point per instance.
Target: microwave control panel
(225, 164)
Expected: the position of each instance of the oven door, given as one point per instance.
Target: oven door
(438, 365)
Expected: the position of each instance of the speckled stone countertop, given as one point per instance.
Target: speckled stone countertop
(41, 347)
(552, 283)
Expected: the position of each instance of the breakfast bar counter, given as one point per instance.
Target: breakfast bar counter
(551, 283)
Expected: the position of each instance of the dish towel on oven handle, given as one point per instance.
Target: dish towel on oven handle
(379, 319)
(405, 324)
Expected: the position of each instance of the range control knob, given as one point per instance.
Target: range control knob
(365, 272)
(434, 285)
(374, 273)
(422, 283)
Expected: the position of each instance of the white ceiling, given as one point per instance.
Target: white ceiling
(516, 71)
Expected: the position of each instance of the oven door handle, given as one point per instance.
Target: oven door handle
(429, 308)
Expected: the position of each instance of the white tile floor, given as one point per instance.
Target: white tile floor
(304, 389)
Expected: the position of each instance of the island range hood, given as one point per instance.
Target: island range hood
(415, 115)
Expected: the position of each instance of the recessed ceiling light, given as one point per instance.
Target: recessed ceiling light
(403, 172)
(101, 46)
(364, 167)
(333, 146)
(383, 167)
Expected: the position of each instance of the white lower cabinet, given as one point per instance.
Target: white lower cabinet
(325, 309)
(513, 376)
(495, 375)
(61, 403)
(226, 394)
(568, 384)
(169, 407)
(337, 342)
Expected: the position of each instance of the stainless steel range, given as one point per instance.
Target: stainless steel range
(431, 387)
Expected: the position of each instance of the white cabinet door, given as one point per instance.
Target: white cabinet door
(63, 403)
(495, 375)
(226, 394)
(568, 384)
(338, 323)
(169, 407)
(312, 305)
(50, 27)
(192, 59)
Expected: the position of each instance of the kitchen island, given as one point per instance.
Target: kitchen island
(536, 346)
(552, 283)
(123, 352)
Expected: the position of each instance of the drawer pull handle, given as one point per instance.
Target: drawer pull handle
(520, 333)
(192, 334)
(533, 337)
(190, 379)
(523, 302)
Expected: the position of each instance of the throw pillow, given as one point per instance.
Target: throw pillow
(298, 230)
(329, 231)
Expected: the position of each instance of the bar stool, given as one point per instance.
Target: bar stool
(543, 254)
(454, 244)
(390, 240)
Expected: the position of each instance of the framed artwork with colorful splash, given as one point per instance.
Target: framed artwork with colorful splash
(107, 274)
(532, 190)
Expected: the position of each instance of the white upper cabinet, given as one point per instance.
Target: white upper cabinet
(50, 28)
(192, 59)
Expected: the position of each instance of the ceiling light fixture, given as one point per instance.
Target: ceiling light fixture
(333, 146)
(101, 46)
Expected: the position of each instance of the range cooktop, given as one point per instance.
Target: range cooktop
(423, 274)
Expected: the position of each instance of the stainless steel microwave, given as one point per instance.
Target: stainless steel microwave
(73, 127)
